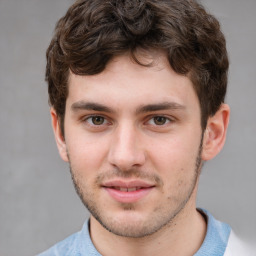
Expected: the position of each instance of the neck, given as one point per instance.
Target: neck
(187, 228)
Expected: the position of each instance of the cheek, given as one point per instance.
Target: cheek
(174, 152)
(175, 160)
(86, 154)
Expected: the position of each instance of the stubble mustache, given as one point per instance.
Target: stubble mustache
(133, 173)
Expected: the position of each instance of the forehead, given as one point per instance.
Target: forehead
(124, 81)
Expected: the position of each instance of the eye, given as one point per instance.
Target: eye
(96, 120)
(159, 120)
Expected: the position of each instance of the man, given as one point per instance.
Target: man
(137, 94)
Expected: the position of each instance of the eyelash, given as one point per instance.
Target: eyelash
(95, 116)
(167, 120)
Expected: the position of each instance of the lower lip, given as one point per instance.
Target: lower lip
(128, 197)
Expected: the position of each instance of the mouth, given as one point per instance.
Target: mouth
(127, 192)
(124, 189)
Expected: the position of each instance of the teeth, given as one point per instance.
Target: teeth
(131, 189)
(127, 189)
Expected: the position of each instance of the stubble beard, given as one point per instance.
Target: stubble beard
(150, 227)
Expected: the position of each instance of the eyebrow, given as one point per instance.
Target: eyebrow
(160, 106)
(82, 105)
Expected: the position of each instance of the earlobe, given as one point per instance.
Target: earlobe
(215, 133)
(60, 141)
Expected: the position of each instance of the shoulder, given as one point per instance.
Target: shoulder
(63, 248)
(217, 236)
(220, 240)
(237, 247)
(77, 244)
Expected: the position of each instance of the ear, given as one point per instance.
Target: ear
(60, 141)
(215, 133)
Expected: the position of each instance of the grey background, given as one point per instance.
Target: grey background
(38, 205)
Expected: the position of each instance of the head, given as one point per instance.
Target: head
(93, 32)
(137, 90)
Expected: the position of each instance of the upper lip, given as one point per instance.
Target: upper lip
(127, 184)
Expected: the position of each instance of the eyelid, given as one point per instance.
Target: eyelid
(168, 119)
(108, 121)
(87, 117)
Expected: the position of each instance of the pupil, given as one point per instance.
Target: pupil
(160, 120)
(97, 120)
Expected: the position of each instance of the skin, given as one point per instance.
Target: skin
(135, 123)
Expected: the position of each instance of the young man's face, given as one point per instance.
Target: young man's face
(133, 140)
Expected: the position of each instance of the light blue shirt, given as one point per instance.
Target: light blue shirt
(80, 243)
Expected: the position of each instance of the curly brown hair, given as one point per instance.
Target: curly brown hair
(94, 31)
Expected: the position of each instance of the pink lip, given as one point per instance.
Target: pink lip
(142, 189)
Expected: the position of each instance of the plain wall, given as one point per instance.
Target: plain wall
(38, 203)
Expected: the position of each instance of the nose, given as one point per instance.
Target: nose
(126, 150)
